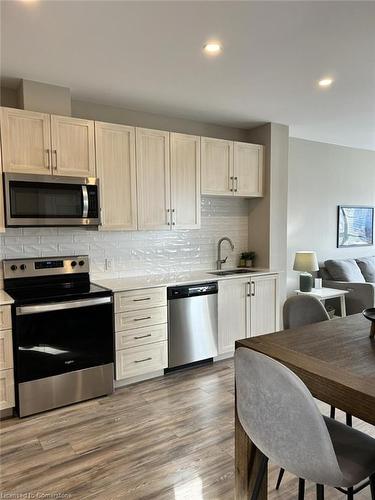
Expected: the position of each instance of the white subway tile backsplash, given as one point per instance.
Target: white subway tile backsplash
(141, 252)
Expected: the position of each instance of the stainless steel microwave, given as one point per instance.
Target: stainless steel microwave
(45, 200)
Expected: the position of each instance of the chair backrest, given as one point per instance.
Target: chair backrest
(303, 310)
(280, 416)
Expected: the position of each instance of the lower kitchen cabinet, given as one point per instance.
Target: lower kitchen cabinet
(264, 305)
(141, 332)
(141, 360)
(6, 359)
(6, 389)
(233, 312)
(247, 307)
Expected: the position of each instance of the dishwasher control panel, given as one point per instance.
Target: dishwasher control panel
(181, 292)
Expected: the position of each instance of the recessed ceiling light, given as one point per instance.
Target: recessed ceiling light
(212, 48)
(325, 82)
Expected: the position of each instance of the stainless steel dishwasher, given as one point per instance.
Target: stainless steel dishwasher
(192, 323)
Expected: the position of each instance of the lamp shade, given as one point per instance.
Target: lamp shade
(306, 262)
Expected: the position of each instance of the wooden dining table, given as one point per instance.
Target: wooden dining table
(336, 361)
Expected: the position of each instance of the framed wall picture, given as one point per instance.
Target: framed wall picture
(355, 226)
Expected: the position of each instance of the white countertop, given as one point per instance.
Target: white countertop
(5, 299)
(172, 279)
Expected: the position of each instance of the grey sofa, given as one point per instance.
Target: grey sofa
(355, 275)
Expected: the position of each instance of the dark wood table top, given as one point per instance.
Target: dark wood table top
(335, 359)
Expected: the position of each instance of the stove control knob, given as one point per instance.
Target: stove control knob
(74, 263)
(81, 262)
(13, 267)
(23, 267)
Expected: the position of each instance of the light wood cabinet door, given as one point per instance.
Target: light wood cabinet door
(6, 389)
(5, 318)
(185, 181)
(6, 350)
(217, 166)
(233, 312)
(248, 169)
(134, 300)
(264, 305)
(115, 164)
(153, 179)
(73, 146)
(26, 141)
(141, 360)
(2, 215)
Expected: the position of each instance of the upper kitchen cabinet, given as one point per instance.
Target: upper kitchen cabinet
(185, 181)
(217, 166)
(232, 168)
(153, 179)
(73, 146)
(248, 169)
(2, 217)
(26, 141)
(115, 163)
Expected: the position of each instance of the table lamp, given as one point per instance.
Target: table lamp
(306, 263)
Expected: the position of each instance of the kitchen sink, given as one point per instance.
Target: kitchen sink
(229, 272)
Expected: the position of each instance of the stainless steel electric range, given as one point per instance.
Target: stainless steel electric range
(63, 340)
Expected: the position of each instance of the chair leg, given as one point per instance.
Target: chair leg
(280, 478)
(260, 477)
(319, 492)
(349, 420)
(333, 412)
(350, 493)
(372, 486)
(301, 489)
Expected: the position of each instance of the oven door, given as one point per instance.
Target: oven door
(60, 337)
(43, 200)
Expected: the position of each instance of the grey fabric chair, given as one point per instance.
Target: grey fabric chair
(280, 416)
(303, 310)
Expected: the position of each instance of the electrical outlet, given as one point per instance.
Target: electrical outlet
(108, 264)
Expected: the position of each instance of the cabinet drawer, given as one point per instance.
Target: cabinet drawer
(134, 300)
(137, 319)
(140, 360)
(141, 336)
(6, 351)
(5, 318)
(6, 389)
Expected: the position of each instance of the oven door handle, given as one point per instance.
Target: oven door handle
(60, 306)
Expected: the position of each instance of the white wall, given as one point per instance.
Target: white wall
(321, 177)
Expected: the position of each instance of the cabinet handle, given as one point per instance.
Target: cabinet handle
(142, 360)
(173, 217)
(48, 156)
(236, 188)
(143, 336)
(168, 217)
(54, 154)
(231, 178)
(140, 300)
(253, 288)
(248, 289)
(141, 319)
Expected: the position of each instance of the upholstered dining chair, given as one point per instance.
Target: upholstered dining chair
(302, 310)
(280, 416)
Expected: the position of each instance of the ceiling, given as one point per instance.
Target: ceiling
(148, 56)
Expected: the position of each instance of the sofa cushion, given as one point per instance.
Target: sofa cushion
(344, 270)
(367, 267)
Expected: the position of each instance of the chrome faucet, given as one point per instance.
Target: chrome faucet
(221, 261)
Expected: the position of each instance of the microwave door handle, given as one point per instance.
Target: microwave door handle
(85, 204)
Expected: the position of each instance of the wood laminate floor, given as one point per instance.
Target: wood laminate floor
(170, 438)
